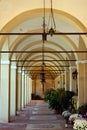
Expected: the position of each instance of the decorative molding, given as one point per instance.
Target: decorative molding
(5, 62)
(23, 73)
(26, 75)
(72, 67)
(19, 71)
(13, 67)
(81, 61)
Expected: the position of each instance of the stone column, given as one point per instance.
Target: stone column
(30, 89)
(85, 83)
(80, 84)
(5, 92)
(27, 89)
(23, 89)
(67, 80)
(13, 90)
(19, 90)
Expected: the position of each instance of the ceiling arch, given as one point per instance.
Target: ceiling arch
(32, 14)
(31, 21)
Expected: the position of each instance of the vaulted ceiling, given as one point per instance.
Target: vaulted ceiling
(57, 48)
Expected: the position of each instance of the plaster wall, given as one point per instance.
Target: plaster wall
(11, 8)
(37, 87)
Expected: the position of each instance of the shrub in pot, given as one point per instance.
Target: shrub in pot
(82, 109)
(47, 94)
(59, 99)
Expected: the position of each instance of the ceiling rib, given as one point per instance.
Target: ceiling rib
(44, 70)
(57, 33)
(41, 60)
(44, 51)
(45, 66)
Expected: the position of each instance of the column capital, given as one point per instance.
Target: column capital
(72, 67)
(19, 70)
(5, 62)
(23, 72)
(13, 67)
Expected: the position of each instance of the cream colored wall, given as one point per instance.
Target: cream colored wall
(37, 86)
(57, 82)
(11, 8)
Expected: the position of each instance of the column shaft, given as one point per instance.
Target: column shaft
(5, 93)
(85, 83)
(23, 90)
(80, 84)
(67, 80)
(13, 92)
(19, 91)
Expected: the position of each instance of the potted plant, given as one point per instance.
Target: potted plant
(73, 117)
(57, 99)
(66, 114)
(47, 94)
(80, 124)
(82, 110)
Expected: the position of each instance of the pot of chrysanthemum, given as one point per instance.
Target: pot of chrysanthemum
(74, 116)
(66, 114)
(80, 124)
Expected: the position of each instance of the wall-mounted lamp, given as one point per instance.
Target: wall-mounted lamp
(74, 74)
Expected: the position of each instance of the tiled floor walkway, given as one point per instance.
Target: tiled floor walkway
(36, 116)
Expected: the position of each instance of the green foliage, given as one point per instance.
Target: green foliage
(47, 94)
(59, 99)
(68, 98)
(82, 109)
(36, 97)
(56, 99)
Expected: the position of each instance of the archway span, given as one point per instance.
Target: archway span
(22, 23)
(39, 13)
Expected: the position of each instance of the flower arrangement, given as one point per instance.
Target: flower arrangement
(66, 114)
(73, 117)
(80, 124)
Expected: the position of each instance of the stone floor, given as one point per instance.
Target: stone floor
(36, 116)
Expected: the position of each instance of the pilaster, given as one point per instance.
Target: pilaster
(82, 67)
(72, 81)
(81, 82)
(67, 80)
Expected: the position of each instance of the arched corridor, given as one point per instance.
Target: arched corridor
(36, 116)
(37, 54)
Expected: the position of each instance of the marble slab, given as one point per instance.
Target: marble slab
(42, 112)
(43, 126)
(43, 117)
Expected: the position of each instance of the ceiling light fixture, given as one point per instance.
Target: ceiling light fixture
(51, 22)
(51, 28)
(42, 74)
